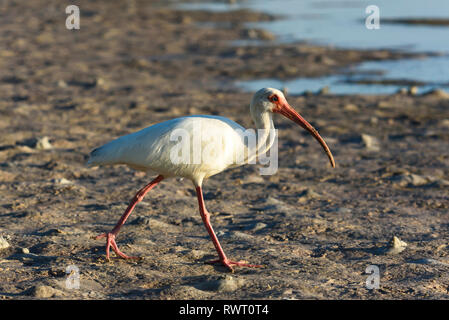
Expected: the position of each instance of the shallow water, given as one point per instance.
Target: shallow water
(432, 71)
(342, 24)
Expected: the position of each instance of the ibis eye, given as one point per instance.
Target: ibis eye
(273, 98)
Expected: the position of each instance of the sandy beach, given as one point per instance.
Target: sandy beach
(315, 229)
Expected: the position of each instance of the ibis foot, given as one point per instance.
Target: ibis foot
(228, 264)
(110, 241)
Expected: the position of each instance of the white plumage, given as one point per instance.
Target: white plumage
(151, 149)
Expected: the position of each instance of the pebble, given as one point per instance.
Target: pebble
(197, 254)
(396, 246)
(438, 93)
(414, 180)
(257, 34)
(227, 284)
(62, 84)
(254, 178)
(257, 226)
(308, 194)
(3, 243)
(241, 235)
(402, 91)
(351, 107)
(42, 291)
(274, 206)
(62, 181)
(25, 250)
(322, 59)
(43, 143)
(371, 143)
(324, 90)
(152, 223)
(413, 90)
(266, 35)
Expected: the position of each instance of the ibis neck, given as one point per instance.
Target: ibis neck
(265, 133)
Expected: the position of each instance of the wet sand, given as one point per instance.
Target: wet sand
(316, 229)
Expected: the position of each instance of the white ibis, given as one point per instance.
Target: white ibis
(151, 150)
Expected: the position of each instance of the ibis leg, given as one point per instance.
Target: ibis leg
(205, 216)
(110, 236)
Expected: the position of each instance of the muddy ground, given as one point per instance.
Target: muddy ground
(136, 63)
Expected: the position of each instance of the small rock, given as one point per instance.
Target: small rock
(413, 90)
(43, 291)
(257, 34)
(25, 250)
(254, 178)
(351, 107)
(152, 223)
(438, 93)
(197, 254)
(371, 143)
(3, 243)
(308, 194)
(396, 246)
(62, 84)
(266, 35)
(241, 235)
(251, 33)
(324, 90)
(324, 60)
(227, 284)
(62, 181)
(402, 91)
(257, 226)
(185, 20)
(34, 143)
(43, 144)
(287, 292)
(414, 180)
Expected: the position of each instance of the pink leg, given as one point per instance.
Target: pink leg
(222, 257)
(110, 236)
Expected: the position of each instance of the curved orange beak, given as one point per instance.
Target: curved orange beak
(287, 111)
